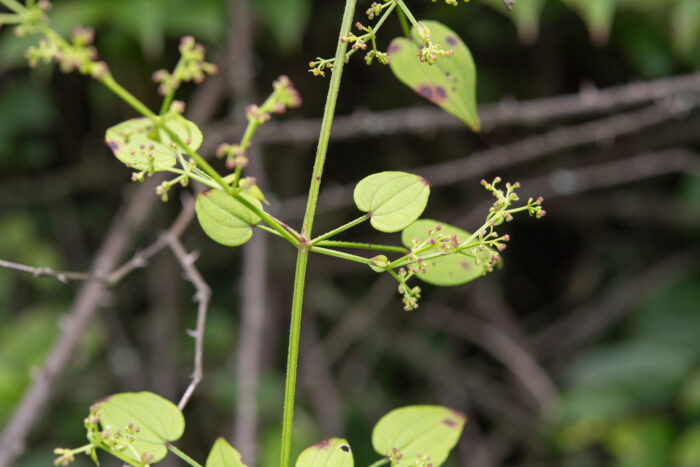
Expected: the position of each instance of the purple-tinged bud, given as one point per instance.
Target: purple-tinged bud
(506, 238)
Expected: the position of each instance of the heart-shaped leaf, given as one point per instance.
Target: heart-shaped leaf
(394, 199)
(158, 421)
(222, 454)
(136, 143)
(450, 82)
(416, 433)
(450, 269)
(225, 219)
(334, 452)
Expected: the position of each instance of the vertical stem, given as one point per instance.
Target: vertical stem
(303, 254)
(327, 119)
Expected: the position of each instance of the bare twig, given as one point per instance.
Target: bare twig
(139, 260)
(517, 359)
(45, 271)
(584, 324)
(202, 297)
(421, 120)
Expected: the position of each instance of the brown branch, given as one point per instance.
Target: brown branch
(139, 260)
(482, 163)
(422, 119)
(506, 350)
(586, 323)
(254, 281)
(202, 297)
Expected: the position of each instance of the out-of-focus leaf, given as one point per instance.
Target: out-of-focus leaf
(598, 16)
(222, 454)
(394, 199)
(333, 452)
(640, 442)
(418, 433)
(448, 270)
(159, 421)
(449, 83)
(685, 27)
(225, 219)
(524, 14)
(286, 20)
(689, 397)
(686, 449)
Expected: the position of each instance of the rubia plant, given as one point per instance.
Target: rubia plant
(140, 428)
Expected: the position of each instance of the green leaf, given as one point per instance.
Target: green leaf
(686, 450)
(225, 219)
(418, 430)
(394, 199)
(333, 452)
(524, 14)
(159, 421)
(598, 16)
(223, 454)
(139, 146)
(451, 269)
(449, 83)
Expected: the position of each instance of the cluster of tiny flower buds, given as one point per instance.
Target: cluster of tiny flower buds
(190, 67)
(361, 42)
(235, 155)
(375, 9)
(430, 51)
(285, 95)
(421, 461)
(79, 55)
(452, 2)
(411, 295)
(31, 18)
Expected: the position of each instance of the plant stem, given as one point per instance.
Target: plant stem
(363, 246)
(342, 228)
(293, 354)
(404, 9)
(13, 5)
(342, 255)
(404, 23)
(303, 253)
(184, 456)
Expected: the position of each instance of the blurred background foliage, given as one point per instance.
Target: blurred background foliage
(627, 395)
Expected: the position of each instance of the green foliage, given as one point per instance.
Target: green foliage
(449, 83)
(418, 435)
(334, 452)
(158, 422)
(225, 219)
(140, 146)
(286, 20)
(394, 199)
(449, 269)
(222, 454)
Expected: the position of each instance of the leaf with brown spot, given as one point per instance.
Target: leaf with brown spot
(419, 433)
(333, 452)
(449, 83)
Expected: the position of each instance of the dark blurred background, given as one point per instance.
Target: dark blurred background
(583, 350)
